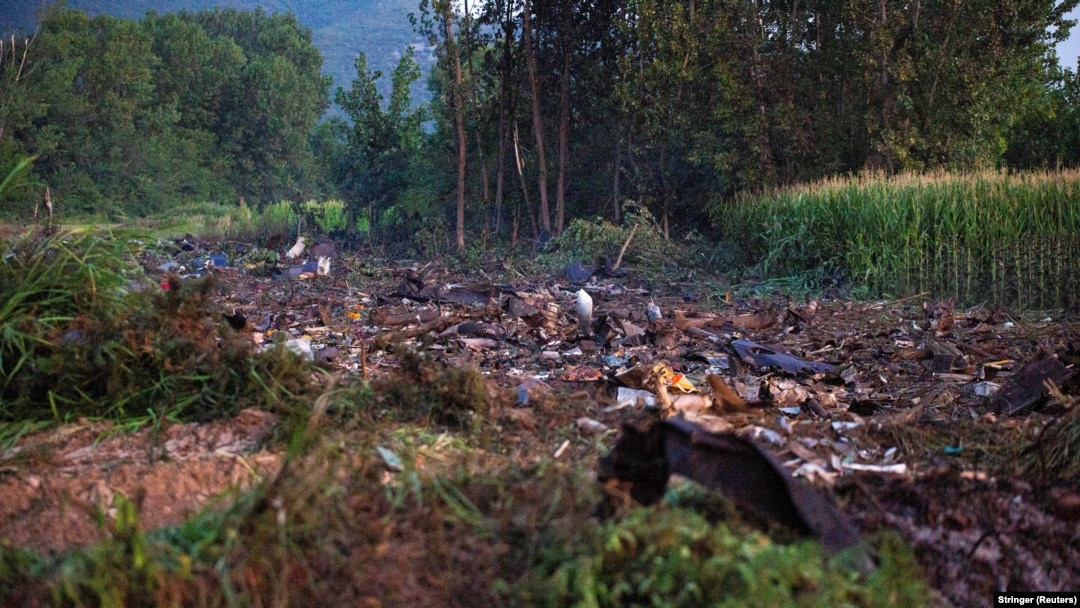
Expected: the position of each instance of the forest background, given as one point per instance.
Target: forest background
(536, 111)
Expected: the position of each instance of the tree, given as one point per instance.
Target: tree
(17, 108)
(137, 117)
(382, 147)
(271, 106)
(537, 118)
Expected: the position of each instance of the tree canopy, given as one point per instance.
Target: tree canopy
(137, 117)
(541, 110)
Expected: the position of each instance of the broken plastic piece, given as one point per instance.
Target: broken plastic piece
(985, 389)
(302, 347)
(663, 373)
(630, 396)
(584, 307)
(576, 272)
(739, 468)
(393, 463)
(763, 357)
(296, 249)
(1028, 385)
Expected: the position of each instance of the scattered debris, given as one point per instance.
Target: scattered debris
(873, 400)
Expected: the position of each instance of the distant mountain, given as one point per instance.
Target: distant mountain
(341, 29)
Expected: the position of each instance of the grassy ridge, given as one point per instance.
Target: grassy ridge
(329, 532)
(84, 333)
(1011, 239)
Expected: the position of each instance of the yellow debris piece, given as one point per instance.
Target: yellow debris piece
(670, 377)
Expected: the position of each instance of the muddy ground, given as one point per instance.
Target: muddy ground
(900, 409)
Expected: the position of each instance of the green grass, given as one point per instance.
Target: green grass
(677, 558)
(1012, 239)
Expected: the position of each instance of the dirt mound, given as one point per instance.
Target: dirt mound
(58, 484)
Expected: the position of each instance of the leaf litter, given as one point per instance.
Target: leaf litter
(955, 428)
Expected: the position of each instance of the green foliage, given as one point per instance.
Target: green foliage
(233, 223)
(47, 283)
(118, 572)
(329, 215)
(675, 557)
(1047, 136)
(378, 155)
(505, 537)
(667, 103)
(987, 236)
(140, 118)
(19, 167)
(277, 218)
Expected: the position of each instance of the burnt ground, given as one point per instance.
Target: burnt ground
(915, 415)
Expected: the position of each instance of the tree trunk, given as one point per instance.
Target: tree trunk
(524, 187)
(538, 124)
(504, 130)
(615, 185)
(473, 105)
(564, 142)
(459, 125)
(501, 170)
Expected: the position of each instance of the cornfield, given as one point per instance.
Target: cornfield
(982, 237)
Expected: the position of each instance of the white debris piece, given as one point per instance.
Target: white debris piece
(896, 469)
(296, 249)
(302, 347)
(584, 306)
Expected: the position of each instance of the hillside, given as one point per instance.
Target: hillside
(341, 28)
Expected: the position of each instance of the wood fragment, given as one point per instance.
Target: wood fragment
(900, 301)
(363, 360)
(626, 244)
(724, 398)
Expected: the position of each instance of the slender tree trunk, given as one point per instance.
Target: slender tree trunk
(459, 124)
(504, 130)
(538, 124)
(615, 185)
(564, 142)
(467, 34)
(524, 187)
(765, 155)
(501, 170)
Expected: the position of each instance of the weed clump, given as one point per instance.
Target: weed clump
(648, 249)
(79, 337)
(1054, 455)
(451, 396)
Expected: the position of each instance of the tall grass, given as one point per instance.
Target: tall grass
(282, 219)
(47, 282)
(1012, 239)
